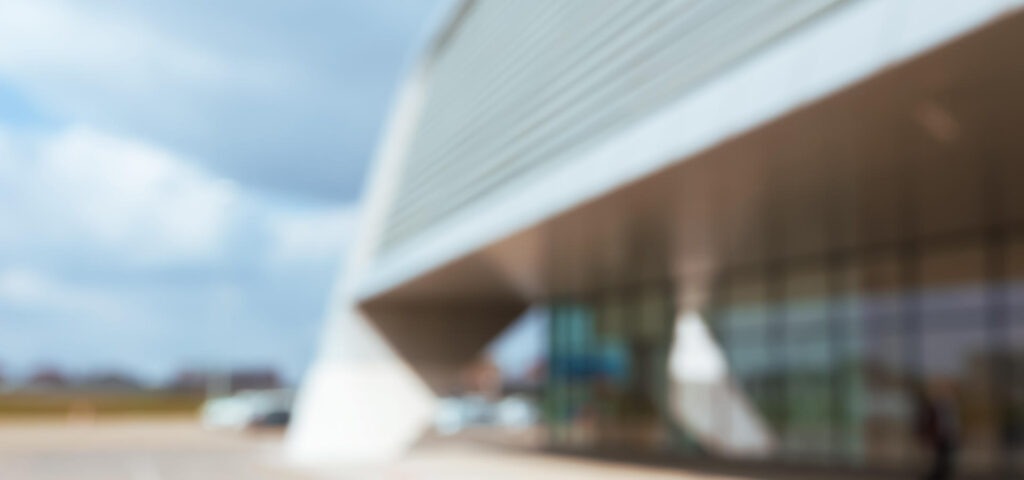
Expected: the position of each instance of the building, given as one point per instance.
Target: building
(772, 229)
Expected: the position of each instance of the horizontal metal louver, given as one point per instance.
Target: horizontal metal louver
(519, 86)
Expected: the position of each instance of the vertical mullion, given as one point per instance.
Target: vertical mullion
(774, 296)
(778, 329)
(837, 351)
(600, 330)
(996, 306)
(724, 310)
(910, 284)
(554, 366)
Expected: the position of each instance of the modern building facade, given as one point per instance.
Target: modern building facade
(766, 232)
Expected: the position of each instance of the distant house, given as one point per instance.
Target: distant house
(47, 378)
(254, 378)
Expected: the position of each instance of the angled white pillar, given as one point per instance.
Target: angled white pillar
(706, 400)
(360, 402)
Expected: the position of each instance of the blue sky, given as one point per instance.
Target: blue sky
(178, 179)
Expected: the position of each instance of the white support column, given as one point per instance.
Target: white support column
(360, 402)
(706, 400)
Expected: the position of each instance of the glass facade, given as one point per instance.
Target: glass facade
(606, 370)
(834, 352)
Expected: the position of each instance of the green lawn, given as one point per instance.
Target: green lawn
(98, 404)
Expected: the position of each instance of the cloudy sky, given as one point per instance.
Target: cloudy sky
(179, 177)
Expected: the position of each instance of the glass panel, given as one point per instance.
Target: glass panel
(889, 414)
(612, 369)
(571, 367)
(1013, 431)
(557, 404)
(953, 278)
(882, 286)
(809, 401)
(755, 366)
(806, 299)
(848, 344)
(841, 367)
(746, 314)
(957, 379)
(1015, 273)
(956, 351)
(808, 354)
(886, 399)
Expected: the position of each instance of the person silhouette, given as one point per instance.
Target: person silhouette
(938, 430)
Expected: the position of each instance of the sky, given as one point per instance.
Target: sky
(179, 178)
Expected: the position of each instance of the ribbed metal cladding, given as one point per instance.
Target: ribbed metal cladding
(519, 86)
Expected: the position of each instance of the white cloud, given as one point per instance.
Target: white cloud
(312, 237)
(6, 155)
(113, 67)
(61, 41)
(28, 288)
(105, 220)
(178, 264)
(118, 196)
(249, 91)
(20, 287)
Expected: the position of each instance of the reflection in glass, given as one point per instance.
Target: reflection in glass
(826, 360)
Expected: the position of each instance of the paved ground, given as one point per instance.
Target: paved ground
(180, 450)
(461, 461)
(132, 450)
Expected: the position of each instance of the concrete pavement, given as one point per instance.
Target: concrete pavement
(181, 450)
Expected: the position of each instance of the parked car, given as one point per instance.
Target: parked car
(457, 413)
(248, 409)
